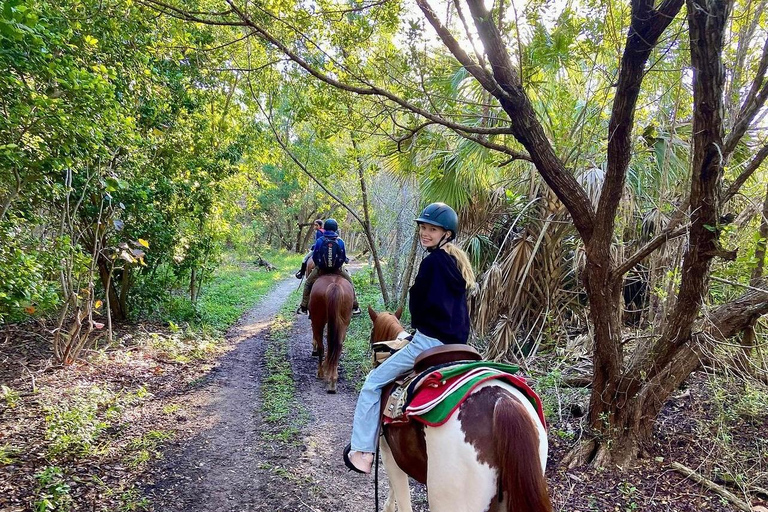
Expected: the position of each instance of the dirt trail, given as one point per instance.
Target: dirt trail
(226, 464)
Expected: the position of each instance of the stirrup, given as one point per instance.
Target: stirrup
(348, 463)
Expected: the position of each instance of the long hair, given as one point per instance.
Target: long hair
(462, 260)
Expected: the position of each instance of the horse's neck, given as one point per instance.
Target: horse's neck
(392, 331)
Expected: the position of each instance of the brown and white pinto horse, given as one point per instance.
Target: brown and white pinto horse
(489, 456)
(330, 303)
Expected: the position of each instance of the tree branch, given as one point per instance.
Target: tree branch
(181, 14)
(655, 243)
(370, 90)
(646, 27)
(526, 127)
(748, 171)
(754, 101)
(300, 163)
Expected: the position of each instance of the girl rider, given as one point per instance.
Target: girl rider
(318, 225)
(438, 306)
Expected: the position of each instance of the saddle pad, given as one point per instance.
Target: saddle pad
(441, 391)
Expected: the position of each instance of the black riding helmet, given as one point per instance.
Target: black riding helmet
(442, 215)
(331, 225)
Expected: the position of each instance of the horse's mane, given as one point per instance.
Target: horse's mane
(386, 327)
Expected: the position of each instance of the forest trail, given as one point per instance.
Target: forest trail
(234, 461)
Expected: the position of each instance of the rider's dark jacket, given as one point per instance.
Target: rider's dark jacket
(438, 299)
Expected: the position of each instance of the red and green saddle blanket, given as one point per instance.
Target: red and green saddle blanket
(434, 395)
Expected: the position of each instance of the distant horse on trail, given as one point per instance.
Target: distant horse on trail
(490, 455)
(330, 303)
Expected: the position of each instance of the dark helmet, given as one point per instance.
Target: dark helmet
(442, 215)
(331, 225)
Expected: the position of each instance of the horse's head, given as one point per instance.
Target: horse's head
(386, 326)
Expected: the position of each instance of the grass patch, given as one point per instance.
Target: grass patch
(146, 447)
(74, 427)
(356, 356)
(184, 346)
(9, 453)
(237, 285)
(52, 491)
(280, 408)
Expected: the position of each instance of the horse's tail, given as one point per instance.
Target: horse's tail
(335, 304)
(516, 441)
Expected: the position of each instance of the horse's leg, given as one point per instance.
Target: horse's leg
(318, 327)
(399, 489)
(456, 480)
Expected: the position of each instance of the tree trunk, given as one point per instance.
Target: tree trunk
(115, 304)
(624, 407)
(192, 285)
(757, 272)
(409, 269)
(367, 224)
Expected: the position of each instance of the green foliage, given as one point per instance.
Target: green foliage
(25, 285)
(11, 397)
(280, 407)
(146, 447)
(356, 356)
(548, 387)
(8, 453)
(132, 500)
(186, 345)
(52, 491)
(75, 427)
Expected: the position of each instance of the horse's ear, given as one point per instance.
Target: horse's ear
(372, 313)
(399, 312)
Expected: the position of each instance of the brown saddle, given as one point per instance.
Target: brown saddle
(445, 354)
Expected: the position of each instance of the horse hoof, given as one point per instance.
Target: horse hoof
(314, 353)
(331, 390)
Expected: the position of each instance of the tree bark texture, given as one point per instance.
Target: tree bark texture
(624, 406)
(116, 305)
(757, 272)
(367, 224)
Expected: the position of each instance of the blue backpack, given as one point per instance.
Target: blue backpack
(330, 254)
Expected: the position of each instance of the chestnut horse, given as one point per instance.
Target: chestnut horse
(330, 303)
(489, 456)
(310, 267)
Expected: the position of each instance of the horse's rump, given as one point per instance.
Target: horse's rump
(330, 303)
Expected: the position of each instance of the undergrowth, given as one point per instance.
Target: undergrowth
(356, 355)
(280, 407)
(89, 425)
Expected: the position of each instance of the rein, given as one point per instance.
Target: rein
(376, 479)
(395, 326)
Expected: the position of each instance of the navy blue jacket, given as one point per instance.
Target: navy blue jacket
(319, 233)
(438, 299)
(317, 250)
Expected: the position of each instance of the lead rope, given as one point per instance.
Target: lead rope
(376, 479)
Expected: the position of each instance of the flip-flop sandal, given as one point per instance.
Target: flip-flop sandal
(348, 462)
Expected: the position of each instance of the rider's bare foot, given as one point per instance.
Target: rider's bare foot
(358, 461)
